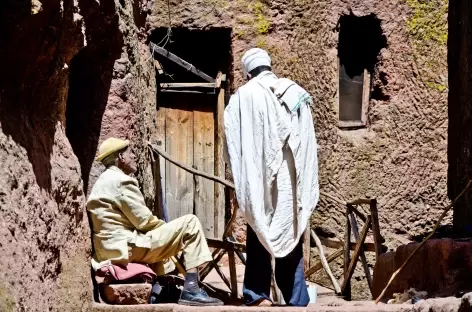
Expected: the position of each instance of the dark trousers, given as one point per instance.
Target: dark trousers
(289, 274)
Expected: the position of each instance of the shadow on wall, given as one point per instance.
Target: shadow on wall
(33, 79)
(91, 73)
(32, 96)
(89, 84)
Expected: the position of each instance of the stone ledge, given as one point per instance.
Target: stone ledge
(127, 294)
(449, 304)
(366, 306)
(442, 267)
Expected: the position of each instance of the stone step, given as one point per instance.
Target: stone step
(353, 306)
(126, 294)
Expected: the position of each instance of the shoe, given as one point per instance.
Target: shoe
(155, 292)
(199, 298)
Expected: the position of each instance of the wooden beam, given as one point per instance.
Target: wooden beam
(324, 262)
(358, 213)
(181, 85)
(227, 245)
(220, 204)
(167, 157)
(186, 91)
(232, 274)
(360, 201)
(375, 228)
(209, 266)
(331, 243)
(156, 173)
(355, 231)
(346, 286)
(220, 78)
(221, 274)
(238, 252)
(186, 65)
(319, 265)
(158, 66)
(355, 257)
(306, 248)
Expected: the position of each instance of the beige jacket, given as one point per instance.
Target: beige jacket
(119, 216)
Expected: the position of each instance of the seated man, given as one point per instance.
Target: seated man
(125, 230)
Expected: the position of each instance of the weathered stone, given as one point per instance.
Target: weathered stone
(383, 270)
(449, 304)
(442, 267)
(126, 294)
(466, 303)
(85, 73)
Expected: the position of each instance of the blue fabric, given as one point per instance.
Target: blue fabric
(289, 274)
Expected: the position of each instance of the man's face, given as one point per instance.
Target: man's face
(126, 162)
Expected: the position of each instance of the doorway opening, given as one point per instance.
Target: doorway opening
(190, 104)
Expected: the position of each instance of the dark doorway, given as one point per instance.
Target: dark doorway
(360, 41)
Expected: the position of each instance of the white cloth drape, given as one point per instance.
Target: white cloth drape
(272, 152)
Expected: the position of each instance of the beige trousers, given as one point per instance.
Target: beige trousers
(184, 235)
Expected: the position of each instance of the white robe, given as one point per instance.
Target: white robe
(272, 152)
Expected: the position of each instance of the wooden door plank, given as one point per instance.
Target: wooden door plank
(203, 159)
(179, 145)
(219, 161)
(161, 142)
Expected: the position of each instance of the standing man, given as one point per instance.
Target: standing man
(272, 152)
(125, 230)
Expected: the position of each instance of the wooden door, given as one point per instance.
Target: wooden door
(187, 130)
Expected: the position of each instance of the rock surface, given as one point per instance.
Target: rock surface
(68, 77)
(126, 294)
(400, 157)
(449, 304)
(442, 267)
(76, 72)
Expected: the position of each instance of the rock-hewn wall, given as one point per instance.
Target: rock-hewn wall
(69, 78)
(77, 71)
(400, 157)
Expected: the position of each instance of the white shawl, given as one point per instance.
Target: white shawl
(268, 135)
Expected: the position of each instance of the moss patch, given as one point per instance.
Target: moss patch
(427, 28)
(427, 22)
(262, 21)
(7, 302)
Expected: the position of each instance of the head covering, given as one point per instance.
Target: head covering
(110, 146)
(254, 58)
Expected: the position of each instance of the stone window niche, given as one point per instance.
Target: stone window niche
(360, 42)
